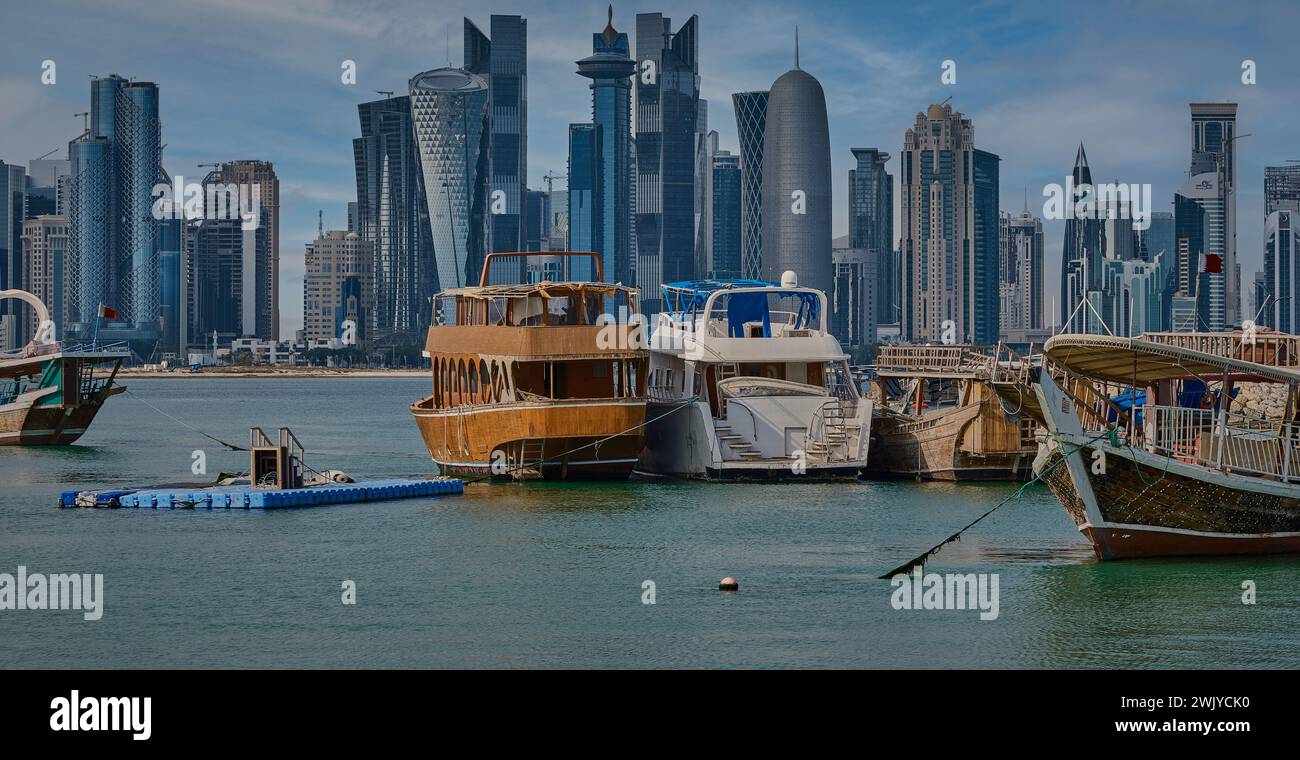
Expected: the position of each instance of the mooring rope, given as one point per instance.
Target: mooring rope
(230, 446)
(920, 559)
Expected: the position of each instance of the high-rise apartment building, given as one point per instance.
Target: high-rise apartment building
(44, 245)
(246, 175)
(1281, 188)
(337, 288)
(950, 231)
(1214, 134)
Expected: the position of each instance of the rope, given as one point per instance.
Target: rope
(595, 443)
(920, 559)
(230, 446)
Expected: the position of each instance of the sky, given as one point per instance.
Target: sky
(261, 79)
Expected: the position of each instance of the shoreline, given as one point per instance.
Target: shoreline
(294, 373)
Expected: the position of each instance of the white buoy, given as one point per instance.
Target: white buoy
(728, 584)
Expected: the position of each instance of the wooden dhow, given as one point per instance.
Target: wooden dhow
(50, 392)
(536, 380)
(943, 420)
(1151, 454)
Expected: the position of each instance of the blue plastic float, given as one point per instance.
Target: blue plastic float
(247, 497)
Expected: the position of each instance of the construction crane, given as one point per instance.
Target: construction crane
(549, 178)
(39, 158)
(385, 93)
(85, 121)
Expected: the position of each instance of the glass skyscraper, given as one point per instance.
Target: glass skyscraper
(113, 251)
(449, 112)
(667, 134)
(13, 187)
(602, 162)
(871, 225)
(502, 61)
(725, 216)
(392, 214)
(983, 301)
(1279, 307)
(751, 121)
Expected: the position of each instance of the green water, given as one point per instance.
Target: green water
(550, 575)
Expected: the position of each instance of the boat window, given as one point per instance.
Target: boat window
(528, 311)
(485, 382)
(563, 310)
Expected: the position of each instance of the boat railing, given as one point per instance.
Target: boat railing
(1216, 439)
(1257, 345)
(934, 360)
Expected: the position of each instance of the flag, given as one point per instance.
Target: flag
(107, 313)
(1213, 263)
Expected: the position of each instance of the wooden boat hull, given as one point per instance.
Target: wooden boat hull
(1130, 502)
(935, 448)
(556, 440)
(1156, 509)
(53, 425)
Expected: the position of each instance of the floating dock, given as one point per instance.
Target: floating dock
(248, 497)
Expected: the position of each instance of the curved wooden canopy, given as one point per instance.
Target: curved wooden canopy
(1140, 362)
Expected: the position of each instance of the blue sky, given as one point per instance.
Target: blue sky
(260, 79)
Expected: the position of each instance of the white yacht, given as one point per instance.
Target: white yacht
(746, 382)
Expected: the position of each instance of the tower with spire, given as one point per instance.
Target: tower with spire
(1081, 252)
(604, 160)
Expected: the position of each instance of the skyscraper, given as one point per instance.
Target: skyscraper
(852, 296)
(1280, 307)
(982, 303)
(667, 85)
(44, 244)
(1021, 272)
(797, 181)
(13, 188)
(871, 224)
(113, 250)
(336, 286)
(265, 296)
(1214, 133)
(1158, 236)
(221, 267)
(751, 123)
(584, 183)
(449, 112)
(1281, 188)
(1200, 230)
(725, 216)
(1081, 252)
(950, 247)
(392, 214)
(605, 154)
(502, 61)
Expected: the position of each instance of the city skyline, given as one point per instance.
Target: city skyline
(1014, 79)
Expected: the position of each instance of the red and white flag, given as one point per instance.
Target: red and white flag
(107, 313)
